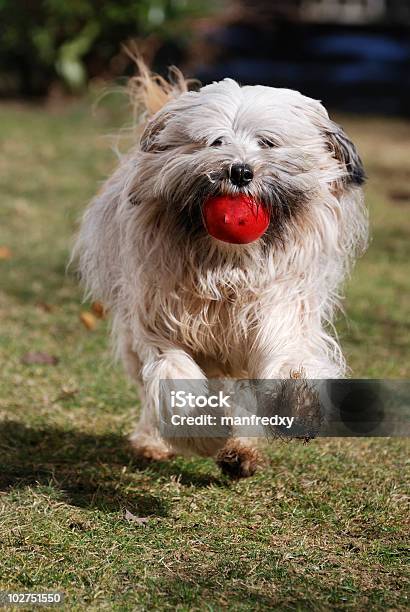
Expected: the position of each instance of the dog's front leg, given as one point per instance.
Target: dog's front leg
(279, 355)
(293, 370)
(169, 365)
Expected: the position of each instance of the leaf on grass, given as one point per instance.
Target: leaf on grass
(400, 196)
(5, 252)
(39, 357)
(88, 320)
(45, 307)
(135, 519)
(98, 309)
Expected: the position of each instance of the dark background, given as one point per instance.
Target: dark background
(352, 54)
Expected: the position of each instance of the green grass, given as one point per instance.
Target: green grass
(322, 527)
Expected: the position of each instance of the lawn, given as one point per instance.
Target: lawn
(322, 527)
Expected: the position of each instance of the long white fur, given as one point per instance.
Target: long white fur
(190, 308)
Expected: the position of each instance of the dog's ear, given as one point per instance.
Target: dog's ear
(346, 153)
(149, 141)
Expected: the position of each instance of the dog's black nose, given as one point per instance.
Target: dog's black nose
(240, 174)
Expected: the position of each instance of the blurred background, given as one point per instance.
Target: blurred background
(352, 54)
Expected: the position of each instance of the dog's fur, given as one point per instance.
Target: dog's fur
(187, 306)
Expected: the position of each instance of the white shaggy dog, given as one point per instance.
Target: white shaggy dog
(188, 306)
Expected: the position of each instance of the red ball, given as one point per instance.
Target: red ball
(235, 219)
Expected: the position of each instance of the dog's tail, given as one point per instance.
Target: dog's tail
(149, 92)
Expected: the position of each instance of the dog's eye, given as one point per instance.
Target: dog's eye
(217, 143)
(266, 143)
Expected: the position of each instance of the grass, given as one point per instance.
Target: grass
(323, 527)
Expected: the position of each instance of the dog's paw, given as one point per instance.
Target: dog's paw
(237, 460)
(150, 450)
(150, 453)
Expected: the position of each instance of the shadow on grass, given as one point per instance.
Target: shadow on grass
(194, 591)
(87, 470)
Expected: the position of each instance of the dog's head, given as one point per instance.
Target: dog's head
(274, 145)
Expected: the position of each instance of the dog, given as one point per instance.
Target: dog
(186, 305)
